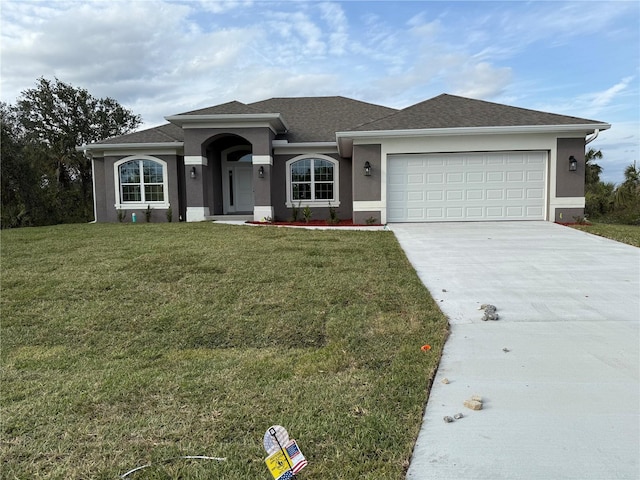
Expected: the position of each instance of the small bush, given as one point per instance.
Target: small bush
(307, 213)
(333, 216)
(122, 214)
(294, 212)
(147, 214)
(169, 214)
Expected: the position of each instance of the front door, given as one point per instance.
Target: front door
(237, 188)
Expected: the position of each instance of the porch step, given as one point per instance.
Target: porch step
(230, 218)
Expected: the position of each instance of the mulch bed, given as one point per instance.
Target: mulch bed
(318, 223)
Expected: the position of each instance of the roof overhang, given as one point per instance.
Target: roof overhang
(345, 140)
(274, 121)
(158, 148)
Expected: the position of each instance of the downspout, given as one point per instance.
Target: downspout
(595, 135)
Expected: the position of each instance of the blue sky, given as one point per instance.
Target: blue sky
(161, 57)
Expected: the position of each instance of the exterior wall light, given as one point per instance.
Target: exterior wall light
(367, 169)
(193, 172)
(261, 172)
(573, 164)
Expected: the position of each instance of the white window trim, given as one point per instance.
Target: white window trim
(120, 205)
(314, 203)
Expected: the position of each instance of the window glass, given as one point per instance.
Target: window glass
(312, 179)
(145, 187)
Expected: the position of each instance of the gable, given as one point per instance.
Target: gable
(317, 119)
(450, 111)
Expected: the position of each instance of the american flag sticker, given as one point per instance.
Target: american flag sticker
(298, 462)
(288, 475)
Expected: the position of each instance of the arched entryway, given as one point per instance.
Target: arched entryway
(230, 182)
(237, 180)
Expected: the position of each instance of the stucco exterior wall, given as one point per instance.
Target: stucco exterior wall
(278, 177)
(367, 188)
(99, 190)
(196, 140)
(106, 189)
(570, 184)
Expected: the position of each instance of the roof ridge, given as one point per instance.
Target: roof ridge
(503, 105)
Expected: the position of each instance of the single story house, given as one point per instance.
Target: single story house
(449, 158)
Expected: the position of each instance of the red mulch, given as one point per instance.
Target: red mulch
(317, 223)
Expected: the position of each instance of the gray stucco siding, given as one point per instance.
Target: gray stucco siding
(570, 184)
(278, 177)
(106, 196)
(197, 140)
(100, 201)
(367, 188)
(569, 215)
(360, 218)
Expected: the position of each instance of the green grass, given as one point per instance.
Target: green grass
(134, 343)
(622, 233)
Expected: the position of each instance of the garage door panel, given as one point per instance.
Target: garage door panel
(468, 186)
(455, 177)
(475, 194)
(416, 196)
(495, 177)
(535, 176)
(435, 178)
(495, 194)
(515, 176)
(534, 193)
(453, 195)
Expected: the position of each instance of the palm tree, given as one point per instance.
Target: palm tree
(592, 169)
(629, 191)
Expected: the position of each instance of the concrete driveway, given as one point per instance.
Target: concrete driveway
(563, 402)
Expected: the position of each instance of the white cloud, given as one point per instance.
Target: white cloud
(222, 6)
(334, 16)
(480, 80)
(602, 99)
(160, 57)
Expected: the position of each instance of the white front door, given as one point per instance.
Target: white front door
(238, 194)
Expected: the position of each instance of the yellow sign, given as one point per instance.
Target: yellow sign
(278, 463)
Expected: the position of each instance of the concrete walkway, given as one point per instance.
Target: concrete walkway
(564, 401)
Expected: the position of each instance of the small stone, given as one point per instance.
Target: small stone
(445, 380)
(490, 316)
(506, 350)
(473, 405)
(448, 419)
(458, 416)
(444, 289)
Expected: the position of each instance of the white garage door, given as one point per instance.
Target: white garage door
(466, 187)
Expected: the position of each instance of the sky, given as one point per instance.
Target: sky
(163, 57)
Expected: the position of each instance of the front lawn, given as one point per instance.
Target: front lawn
(622, 233)
(129, 344)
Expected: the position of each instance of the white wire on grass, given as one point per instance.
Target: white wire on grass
(188, 457)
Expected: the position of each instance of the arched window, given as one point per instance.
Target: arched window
(141, 182)
(312, 180)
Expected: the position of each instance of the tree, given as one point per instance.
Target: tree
(592, 169)
(628, 193)
(50, 121)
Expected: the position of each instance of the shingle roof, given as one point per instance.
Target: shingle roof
(450, 111)
(230, 108)
(164, 133)
(317, 119)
